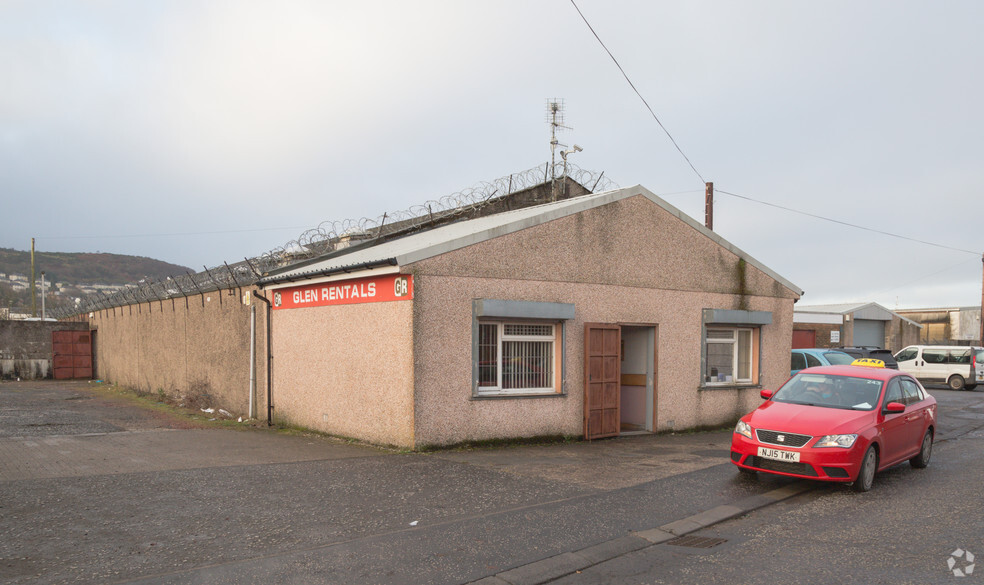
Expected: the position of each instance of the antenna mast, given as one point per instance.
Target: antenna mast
(555, 117)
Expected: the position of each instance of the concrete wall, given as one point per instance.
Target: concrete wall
(900, 333)
(628, 262)
(194, 347)
(25, 347)
(959, 326)
(347, 370)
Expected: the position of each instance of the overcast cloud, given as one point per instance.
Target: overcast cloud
(198, 132)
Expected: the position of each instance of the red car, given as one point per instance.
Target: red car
(838, 423)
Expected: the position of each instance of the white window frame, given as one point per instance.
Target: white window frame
(735, 342)
(502, 337)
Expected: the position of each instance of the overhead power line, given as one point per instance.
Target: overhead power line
(963, 262)
(853, 225)
(632, 85)
(162, 235)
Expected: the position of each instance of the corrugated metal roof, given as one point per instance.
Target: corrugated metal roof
(440, 240)
(872, 311)
(842, 308)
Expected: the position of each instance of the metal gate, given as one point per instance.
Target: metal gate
(602, 365)
(71, 354)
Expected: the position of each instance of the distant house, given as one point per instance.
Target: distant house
(852, 324)
(947, 325)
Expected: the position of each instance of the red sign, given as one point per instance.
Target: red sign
(373, 289)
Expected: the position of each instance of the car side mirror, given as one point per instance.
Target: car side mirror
(894, 407)
(766, 394)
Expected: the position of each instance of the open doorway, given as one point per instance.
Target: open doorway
(637, 384)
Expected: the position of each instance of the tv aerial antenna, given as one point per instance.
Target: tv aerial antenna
(555, 117)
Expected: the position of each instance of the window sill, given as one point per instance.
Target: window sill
(517, 395)
(738, 386)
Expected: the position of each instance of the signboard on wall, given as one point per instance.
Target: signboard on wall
(373, 289)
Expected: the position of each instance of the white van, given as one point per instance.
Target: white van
(958, 366)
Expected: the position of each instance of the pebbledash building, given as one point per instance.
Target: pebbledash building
(598, 315)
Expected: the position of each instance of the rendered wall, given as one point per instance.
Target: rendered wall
(346, 370)
(196, 347)
(25, 347)
(629, 262)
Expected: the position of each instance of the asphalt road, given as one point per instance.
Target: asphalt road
(902, 532)
(94, 490)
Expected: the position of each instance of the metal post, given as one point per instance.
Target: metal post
(709, 205)
(192, 278)
(43, 313)
(34, 296)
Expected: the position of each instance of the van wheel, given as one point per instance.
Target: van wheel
(956, 382)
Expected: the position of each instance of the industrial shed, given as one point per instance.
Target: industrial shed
(852, 324)
(598, 315)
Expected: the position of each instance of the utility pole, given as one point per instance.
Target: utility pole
(34, 296)
(709, 205)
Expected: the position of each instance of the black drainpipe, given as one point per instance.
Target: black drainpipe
(269, 345)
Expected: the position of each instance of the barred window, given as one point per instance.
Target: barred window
(516, 357)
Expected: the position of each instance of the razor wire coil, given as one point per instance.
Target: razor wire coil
(327, 237)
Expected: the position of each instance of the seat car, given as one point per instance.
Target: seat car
(867, 351)
(809, 358)
(959, 367)
(839, 424)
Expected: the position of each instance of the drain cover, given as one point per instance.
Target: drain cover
(696, 541)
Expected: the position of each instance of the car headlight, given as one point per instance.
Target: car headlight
(844, 441)
(743, 428)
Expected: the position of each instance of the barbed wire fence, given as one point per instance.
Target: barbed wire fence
(331, 235)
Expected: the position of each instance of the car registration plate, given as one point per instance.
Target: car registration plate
(778, 454)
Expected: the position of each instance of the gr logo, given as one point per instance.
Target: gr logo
(401, 286)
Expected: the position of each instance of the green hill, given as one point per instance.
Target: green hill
(86, 268)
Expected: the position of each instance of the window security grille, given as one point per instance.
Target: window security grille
(515, 357)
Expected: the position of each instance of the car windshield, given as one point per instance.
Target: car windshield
(830, 391)
(838, 358)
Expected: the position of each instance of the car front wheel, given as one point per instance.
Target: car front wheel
(922, 459)
(866, 476)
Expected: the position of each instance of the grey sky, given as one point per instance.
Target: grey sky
(125, 124)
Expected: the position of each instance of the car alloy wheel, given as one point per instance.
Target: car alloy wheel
(922, 459)
(866, 476)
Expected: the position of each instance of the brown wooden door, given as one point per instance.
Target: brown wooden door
(71, 354)
(602, 364)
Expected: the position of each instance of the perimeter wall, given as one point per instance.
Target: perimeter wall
(194, 348)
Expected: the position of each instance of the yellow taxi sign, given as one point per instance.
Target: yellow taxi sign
(868, 363)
